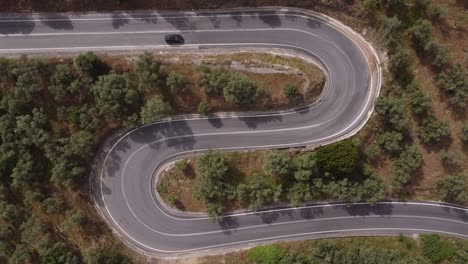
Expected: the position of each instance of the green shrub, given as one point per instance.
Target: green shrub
(154, 110)
(433, 130)
(436, 249)
(240, 90)
(277, 163)
(464, 133)
(291, 90)
(204, 108)
(339, 159)
(90, 64)
(175, 81)
(271, 254)
(454, 82)
(181, 165)
(453, 189)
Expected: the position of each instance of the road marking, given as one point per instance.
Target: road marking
(352, 132)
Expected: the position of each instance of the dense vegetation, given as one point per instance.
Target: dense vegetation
(330, 172)
(52, 116)
(431, 249)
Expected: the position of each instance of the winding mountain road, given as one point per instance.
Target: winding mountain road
(123, 181)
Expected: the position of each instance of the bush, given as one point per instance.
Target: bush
(339, 159)
(291, 91)
(421, 33)
(204, 108)
(449, 158)
(154, 110)
(390, 29)
(53, 205)
(436, 249)
(433, 130)
(271, 254)
(240, 90)
(258, 192)
(210, 187)
(113, 94)
(370, 5)
(58, 254)
(392, 113)
(90, 64)
(453, 189)
(407, 163)
(400, 65)
(277, 163)
(439, 12)
(181, 165)
(455, 83)
(149, 71)
(213, 80)
(175, 81)
(464, 133)
(391, 142)
(420, 102)
(373, 151)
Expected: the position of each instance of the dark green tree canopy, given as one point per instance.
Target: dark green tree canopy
(154, 110)
(113, 94)
(340, 159)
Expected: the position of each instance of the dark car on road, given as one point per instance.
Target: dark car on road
(174, 39)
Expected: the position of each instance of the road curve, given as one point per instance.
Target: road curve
(122, 182)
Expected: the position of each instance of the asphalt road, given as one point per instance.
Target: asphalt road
(123, 182)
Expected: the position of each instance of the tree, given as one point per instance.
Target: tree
(421, 33)
(24, 171)
(58, 254)
(455, 83)
(258, 192)
(392, 112)
(391, 142)
(32, 231)
(270, 254)
(9, 212)
(27, 86)
(73, 219)
(31, 128)
(400, 65)
(340, 159)
(175, 81)
(204, 108)
(464, 133)
(277, 163)
(211, 170)
(373, 190)
(154, 110)
(213, 80)
(291, 91)
(449, 158)
(407, 163)
(150, 72)
(433, 130)
(53, 205)
(240, 90)
(21, 255)
(80, 144)
(300, 192)
(439, 53)
(435, 248)
(421, 103)
(89, 64)
(453, 189)
(113, 94)
(390, 30)
(370, 5)
(61, 82)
